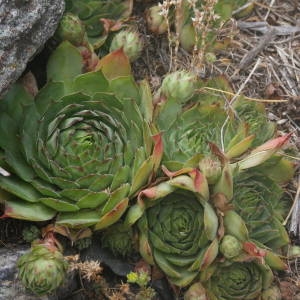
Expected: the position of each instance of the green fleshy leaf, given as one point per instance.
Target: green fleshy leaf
(78, 219)
(64, 64)
(28, 211)
(131, 91)
(59, 204)
(90, 83)
(210, 221)
(93, 200)
(141, 176)
(19, 188)
(146, 100)
(115, 64)
(115, 198)
(112, 216)
(122, 176)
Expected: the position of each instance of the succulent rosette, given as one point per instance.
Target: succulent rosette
(260, 202)
(177, 226)
(43, 268)
(71, 29)
(118, 239)
(238, 281)
(100, 17)
(82, 148)
(191, 118)
(130, 41)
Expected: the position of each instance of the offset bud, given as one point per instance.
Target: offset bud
(272, 293)
(210, 57)
(43, 269)
(230, 246)
(131, 43)
(71, 29)
(179, 85)
(211, 169)
(118, 239)
(187, 37)
(155, 21)
(30, 233)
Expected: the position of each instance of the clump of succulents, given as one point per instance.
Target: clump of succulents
(130, 41)
(82, 148)
(118, 239)
(43, 268)
(208, 153)
(187, 169)
(142, 279)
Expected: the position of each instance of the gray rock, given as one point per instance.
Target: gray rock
(25, 26)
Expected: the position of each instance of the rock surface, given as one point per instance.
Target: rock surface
(25, 26)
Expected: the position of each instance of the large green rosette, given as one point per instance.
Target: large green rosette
(178, 228)
(81, 148)
(193, 113)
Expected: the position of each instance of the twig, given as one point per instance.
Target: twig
(248, 98)
(269, 9)
(264, 27)
(263, 43)
(294, 211)
(235, 97)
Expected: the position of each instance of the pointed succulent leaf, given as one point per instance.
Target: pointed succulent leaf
(65, 63)
(146, 100)
(274, 261)
(90, 83)
(17, 209)
(235, 226)
(78, 219)
(241, 147)
(263, 152)
(225, 183)
(115, 64)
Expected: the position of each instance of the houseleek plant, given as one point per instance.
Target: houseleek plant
(43, 268)
(81, 148)
(177, 226)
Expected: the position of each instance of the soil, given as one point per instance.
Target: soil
(259, 63)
